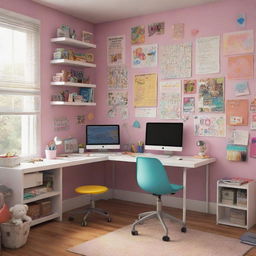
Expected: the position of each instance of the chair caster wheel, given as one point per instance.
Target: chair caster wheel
(71, 218)
(135, 233)
(166, 238)
(84, 223)
(183, 229)
(109, 219)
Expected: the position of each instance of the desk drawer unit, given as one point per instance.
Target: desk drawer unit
(33, 179)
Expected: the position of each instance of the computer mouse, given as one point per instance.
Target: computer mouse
(180, 158)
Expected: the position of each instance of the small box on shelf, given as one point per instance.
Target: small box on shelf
(241, 197)
(238, 217)
(228, 196)
(45, 208)
(33, 210)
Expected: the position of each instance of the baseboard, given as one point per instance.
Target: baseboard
(171, 201)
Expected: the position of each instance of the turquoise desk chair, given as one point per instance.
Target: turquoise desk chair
(152, 177)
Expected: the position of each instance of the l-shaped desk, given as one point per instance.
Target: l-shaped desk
(14, 177)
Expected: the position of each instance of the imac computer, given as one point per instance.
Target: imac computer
(164, 136)
(102, 137)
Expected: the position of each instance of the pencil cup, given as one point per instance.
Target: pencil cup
(50, 154)
(140, 148)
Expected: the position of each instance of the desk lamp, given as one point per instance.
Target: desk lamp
(57, 141)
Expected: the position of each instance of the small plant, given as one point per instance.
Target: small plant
(81, 145)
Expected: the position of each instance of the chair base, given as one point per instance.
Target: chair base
(160, 215)
(92, 209)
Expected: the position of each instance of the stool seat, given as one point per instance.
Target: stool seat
(91, 189)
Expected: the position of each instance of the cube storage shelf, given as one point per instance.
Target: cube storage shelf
(77, 44)
(226, 211)
(12, 178)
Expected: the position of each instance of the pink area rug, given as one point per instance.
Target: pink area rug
(149, 243)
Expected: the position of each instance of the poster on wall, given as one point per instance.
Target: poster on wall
(176, 61)
(115, 50)
(145, 90)
(241, 88)
(145, 112)
(178, 31)
(189, 104)
(156, 29)
(208, 55)
(240, 42)
(144, 56)
(240, 67)
(117, 77)
(237, 112)
(210, 125)
(189, 86)
(138, 35)
(211, 95)
(117, 98)
(170, 99)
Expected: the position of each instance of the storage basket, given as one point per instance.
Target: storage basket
(14, 236)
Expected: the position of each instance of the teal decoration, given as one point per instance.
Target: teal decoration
(240, 20)
(136, 124)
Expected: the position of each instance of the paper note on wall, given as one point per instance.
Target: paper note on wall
(145, 90)
(145, 112)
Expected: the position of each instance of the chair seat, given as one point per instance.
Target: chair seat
(91, 189)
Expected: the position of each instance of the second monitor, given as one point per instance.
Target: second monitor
(102, 137)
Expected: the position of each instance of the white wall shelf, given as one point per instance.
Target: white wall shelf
(73, 63)
(72, 42)
(66, 103)
(73, 84)
(224, 210)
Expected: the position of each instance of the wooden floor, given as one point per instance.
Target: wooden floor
(53, 238)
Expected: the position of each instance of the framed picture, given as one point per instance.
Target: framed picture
(70, 145)
(87, 36)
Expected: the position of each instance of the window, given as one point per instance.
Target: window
(19, 84)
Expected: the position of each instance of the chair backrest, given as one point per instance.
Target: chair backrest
(151, 176)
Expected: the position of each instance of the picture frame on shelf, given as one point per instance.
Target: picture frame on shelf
(87, 36)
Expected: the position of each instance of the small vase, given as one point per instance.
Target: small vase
(81, 150)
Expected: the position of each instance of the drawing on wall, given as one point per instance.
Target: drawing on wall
(80, 119)
(144, 56)
(145, 90)
(189, 104)
(241, 20)
(237, 112)
(176, 61)
(115, 50)
(145, 112)
(208, 55)
(240, 42)
(211, 95)
(240, 67)
(253, 105)
(156, 28)
(138, 35)
(178, 31)
(253, 121)
(117, 77)
(170, 99)
(241, 88)
(118, 100)
(61, 124)
(189, 86)
(213, 125)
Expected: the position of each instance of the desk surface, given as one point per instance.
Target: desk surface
(78, 159)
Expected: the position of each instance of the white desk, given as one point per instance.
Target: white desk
(14, 177)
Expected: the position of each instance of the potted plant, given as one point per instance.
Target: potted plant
(81, 148)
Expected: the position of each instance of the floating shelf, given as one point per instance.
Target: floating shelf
(73, 63)
(62, 103)
(73, 84)
(72, 42)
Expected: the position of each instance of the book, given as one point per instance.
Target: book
(87, 94)
(235, 180)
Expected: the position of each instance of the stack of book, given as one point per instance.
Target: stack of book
(235, 181)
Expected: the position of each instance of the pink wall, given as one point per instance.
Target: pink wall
(211, 19)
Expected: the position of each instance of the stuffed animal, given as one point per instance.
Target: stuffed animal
(19, 214)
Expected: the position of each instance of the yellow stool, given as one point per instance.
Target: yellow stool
(91, 190)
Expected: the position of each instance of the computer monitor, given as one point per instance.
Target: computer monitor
(102, 137)
(164, 136)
